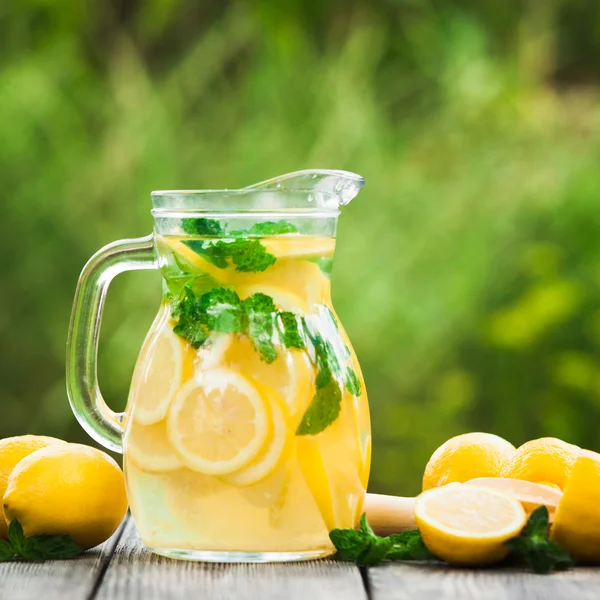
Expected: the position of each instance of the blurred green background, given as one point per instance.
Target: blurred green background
(468, 270)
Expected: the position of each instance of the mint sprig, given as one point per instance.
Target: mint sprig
(534, 548)
(364, 547)
(248, 255)
(212, 227)
(36, 548)
(272, 228)
(202, 226)
(259, 310)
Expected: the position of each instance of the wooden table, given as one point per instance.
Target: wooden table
(123, 570)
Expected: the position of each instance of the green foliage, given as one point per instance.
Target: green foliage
(260, 313)
(534, 549)
(36, 548)
(248, 256)
(272, 228)
(466, 272)
(201, 226)
(363, 547)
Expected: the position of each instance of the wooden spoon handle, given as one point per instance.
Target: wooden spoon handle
(390, 514)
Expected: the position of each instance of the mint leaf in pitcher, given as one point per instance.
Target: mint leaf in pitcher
(291, 328)
(201, 226)
(272, 228)
(259, 311)
(248, 256)
(324, 408)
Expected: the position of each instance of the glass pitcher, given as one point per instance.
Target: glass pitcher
(246, 436)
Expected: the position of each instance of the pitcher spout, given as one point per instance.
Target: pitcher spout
(327, 188)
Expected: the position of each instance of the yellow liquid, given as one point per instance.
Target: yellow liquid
(309, 485)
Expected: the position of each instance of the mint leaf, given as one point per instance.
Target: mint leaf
(201, 226)
(323, 410)
(249, 256)
(534, 549)
(54, 546)
(217, 310)
(212, 252)
(223, 310)
(350, 544)
(15, 534)
(36, 548)
(291, 327)
(191, 321)
(272, 228)
(408, 545)
(352, 382)
(6, 551)
(363, 547)
(259, 311)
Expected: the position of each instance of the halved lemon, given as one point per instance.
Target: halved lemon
(290, 375)
(158, 375)
(275, 450)
(149, 449)
(218, 422)
(530, 495)
(182, 250)
(299, 246)
(468, 525)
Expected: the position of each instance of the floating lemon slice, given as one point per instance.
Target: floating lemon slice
(211, 354)
(290, 375)
(310, 459)
(301, 278)
(218, 423)
(157, 375)
(193, 258)
(274, 452)
(299, 246)
(468, 525)
(148, 448)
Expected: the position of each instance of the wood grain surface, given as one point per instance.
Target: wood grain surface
(404, 581)
(122, 569)
(135, 573)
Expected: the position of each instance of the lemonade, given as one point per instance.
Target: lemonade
(247, 427)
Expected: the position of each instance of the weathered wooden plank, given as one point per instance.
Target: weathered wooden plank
(73, 579)
(135, 573)
(404, 581)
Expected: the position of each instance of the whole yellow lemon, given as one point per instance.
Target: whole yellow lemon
(465, 457)
(545, 460)
(67, 489)
(12, 450)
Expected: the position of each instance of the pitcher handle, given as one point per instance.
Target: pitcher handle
(92, 412)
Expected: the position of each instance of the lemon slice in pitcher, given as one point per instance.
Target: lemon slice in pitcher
(299, 246)
(158, 376)
(218, 423)
(290, 375)
(275, 450)
(148, 448)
